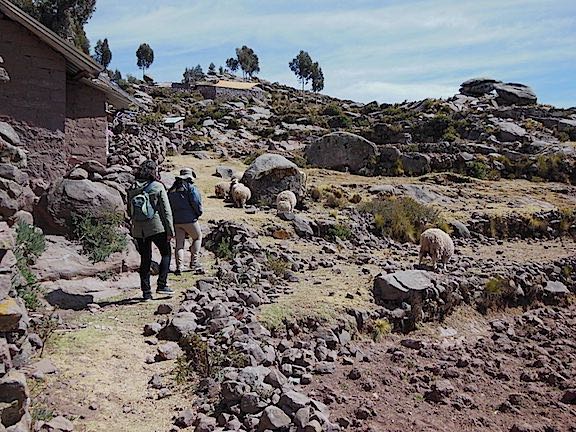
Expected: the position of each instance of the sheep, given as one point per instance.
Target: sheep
(437, 244)
(221, 190)
(239, 193)
(286, 201)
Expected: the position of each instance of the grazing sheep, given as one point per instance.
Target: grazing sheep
(221, 190)
(284, 207)
(239, 193)
(286, 196)
(437, 244)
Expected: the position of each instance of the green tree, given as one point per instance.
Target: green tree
(64, 17)
(102, 53)
(211, 69)
(301, 65)
(232, 64)
(248, 61)
(317, 78)
(193, 74)
(115, 76)
(145, 57)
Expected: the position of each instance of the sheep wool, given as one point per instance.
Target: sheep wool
(284, 207)
(437, 244)
(221, 190)
(287, 196)
(239, 193)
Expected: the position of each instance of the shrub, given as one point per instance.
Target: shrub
(99, 237)
(340, 231)
(496, 295)
(150, 118)
(404, 218)
(30, 244)
(333, 200)
(277, 265)
(204, 361)
(478, 169)
(332, 109)
(224, 249)
(379, 328)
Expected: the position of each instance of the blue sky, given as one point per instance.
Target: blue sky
(387, 50)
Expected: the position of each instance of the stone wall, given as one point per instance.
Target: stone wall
(36, 92)
(86, 124)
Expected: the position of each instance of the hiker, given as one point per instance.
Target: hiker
(151, 217)
(186, 204)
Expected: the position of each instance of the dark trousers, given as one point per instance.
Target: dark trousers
(145, 249)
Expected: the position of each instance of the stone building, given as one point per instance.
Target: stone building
(55, 97)
(226, 90)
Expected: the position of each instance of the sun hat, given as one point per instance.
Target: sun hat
(186, 174)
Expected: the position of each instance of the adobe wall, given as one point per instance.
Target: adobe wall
(86, 124)
(36, 92)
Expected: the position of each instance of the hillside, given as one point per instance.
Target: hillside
(320, 319)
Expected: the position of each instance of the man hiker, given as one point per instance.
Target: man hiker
(151, 218)
(186, 204)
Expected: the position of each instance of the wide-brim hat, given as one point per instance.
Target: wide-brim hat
(186, 174)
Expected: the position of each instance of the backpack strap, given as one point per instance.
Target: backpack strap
(147, 187)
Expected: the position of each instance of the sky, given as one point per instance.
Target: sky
(386, 50)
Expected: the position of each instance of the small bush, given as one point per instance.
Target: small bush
(150, 118)
(340, 231)
(404, 218)
(334, 200)
(478, 169)
(233, 124)
(332, 109)
(224, 249)
(277, 265)
(379, 328)
(30, 244)
(203, 361)
(497, 294)
(99, 237)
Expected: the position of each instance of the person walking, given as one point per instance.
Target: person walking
(186, 204)
(151, 223)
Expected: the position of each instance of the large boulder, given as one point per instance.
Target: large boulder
(271, 174)
(83, 197)
(478, 86)
(14, 402)
(402, 285)
(515, 94)
(341, 151)
(416, 163)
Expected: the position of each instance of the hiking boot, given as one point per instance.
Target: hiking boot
(177, 272)
(165, 290)
(147, 296)
(197, 268)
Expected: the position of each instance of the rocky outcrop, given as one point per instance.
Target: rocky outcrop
(342, 151)
(515, 94)
(478, 86)
(271, 174)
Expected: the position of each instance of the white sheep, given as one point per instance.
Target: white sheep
(437, 244)
(221, 190)
(286, 200)
(239, 193)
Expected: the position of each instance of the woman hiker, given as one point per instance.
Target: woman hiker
(151, 217)
(186, 204)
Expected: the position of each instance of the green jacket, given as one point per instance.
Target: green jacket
(162, 220)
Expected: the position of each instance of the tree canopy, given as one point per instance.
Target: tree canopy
(248, 61)
(64, 17)
(193, 74)
(317, 78)
(307, 70)
(145, 57)
(301, 65)
(232, 64)
(102, 53)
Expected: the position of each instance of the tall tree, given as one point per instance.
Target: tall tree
(248, 61)
(102, 53)
(145, 57)
(193, 74)
(317, 78)
(64, 17)
(211, 69)
(301, 65)
(232, 64)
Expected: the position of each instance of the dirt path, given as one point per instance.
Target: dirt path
(102, 379)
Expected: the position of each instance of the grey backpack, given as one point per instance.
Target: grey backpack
(142, 208)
